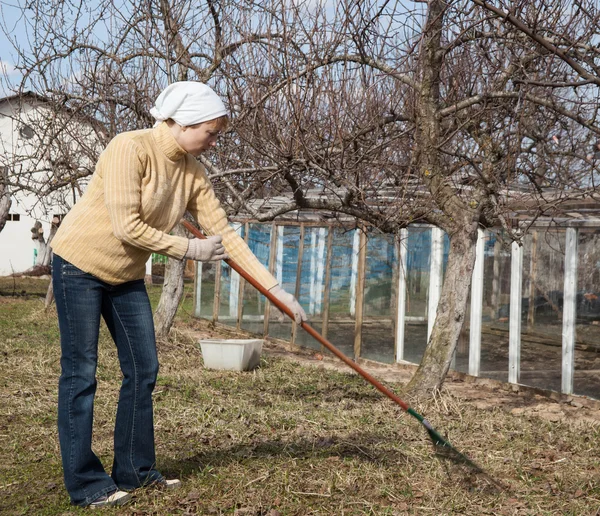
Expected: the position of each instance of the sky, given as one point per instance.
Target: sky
(14, 26)
(9, 20)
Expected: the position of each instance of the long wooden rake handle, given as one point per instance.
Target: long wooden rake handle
(307, 327)
(442, 446)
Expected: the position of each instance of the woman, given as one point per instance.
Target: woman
(143, 183)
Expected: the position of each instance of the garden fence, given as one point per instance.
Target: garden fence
(533, 316)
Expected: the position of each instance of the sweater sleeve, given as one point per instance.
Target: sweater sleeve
(206, 209)
(123, 171)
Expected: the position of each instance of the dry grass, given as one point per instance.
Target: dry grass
(284, 439)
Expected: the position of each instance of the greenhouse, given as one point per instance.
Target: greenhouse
(534, 310)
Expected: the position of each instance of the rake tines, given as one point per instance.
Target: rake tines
(444, 450)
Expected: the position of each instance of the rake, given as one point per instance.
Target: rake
(442, 447)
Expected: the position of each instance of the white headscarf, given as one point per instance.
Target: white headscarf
(188, 103)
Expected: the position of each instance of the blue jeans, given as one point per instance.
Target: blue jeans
(81, 299)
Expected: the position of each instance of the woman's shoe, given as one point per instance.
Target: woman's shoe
(111, 500)
(174, 483)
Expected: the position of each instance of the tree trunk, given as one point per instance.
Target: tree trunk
(49, 296)
(171, 293)
(5, 201)
(450, 315)
(455, 217)
(45, 252)
(45, 258)
(173, 284)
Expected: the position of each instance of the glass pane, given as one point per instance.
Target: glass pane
(344, 257)
(541, 311)
(207, 289)
(587, 348)
(496, 308)
(253, 314)
(286, 263)
(461, 356)
(379, 314)
(312, 285)
(446, 248)
(417, 289)
(229, 292)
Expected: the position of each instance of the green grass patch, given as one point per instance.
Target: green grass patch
(284, 439)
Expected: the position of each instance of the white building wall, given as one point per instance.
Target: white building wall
(17, 249)
(16, 246)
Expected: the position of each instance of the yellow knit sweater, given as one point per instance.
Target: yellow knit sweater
(143, 183)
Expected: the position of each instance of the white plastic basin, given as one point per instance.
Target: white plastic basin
(231, 354)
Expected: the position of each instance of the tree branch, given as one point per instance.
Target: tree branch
(539, 39)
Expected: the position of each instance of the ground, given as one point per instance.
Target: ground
(482, 393)
(300, 435)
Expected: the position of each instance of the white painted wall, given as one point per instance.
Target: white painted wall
(16, 246)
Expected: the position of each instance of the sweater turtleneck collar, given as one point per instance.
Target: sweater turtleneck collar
(166, 142)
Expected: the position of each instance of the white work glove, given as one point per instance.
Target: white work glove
(289, 301)
(206, 250)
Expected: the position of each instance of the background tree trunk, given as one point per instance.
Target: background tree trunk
(5, 201)
(46, 260)
(453, 299)
(450, 315)
(37, 233)
(49, 296)
(171, 293)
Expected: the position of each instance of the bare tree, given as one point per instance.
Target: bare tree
(112, 79)
(463, 122)
(457, 113)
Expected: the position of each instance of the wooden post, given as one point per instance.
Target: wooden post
(476, 306)
(217, 298)
(298, 279)
(569, 311)
(532, 278)
(148, 276)
(241, 286)
(198, 290)
(327, 289)
(514, 335)
(402, 244)
(279, 260)
(272, 266)
(360, 291)
(312, 293)
(436, 265)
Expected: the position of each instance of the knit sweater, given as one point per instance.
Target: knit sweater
(143, 183)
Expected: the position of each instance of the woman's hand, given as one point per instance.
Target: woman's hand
(206, 250)
(289, 301)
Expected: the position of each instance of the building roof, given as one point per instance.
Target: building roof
(32, 97)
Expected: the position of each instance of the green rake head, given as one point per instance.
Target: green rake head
(444, 450)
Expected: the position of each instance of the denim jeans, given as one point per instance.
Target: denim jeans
(81, 299)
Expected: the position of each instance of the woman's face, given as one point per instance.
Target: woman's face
(198, 138)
